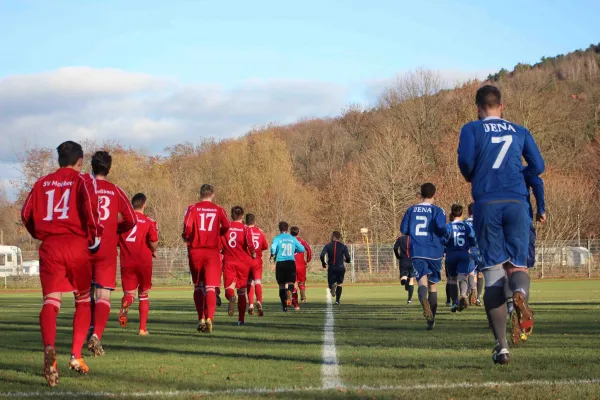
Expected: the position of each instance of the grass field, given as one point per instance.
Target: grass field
(383, 350)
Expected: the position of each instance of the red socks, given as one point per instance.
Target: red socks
(48, 317)
(199, 301)
(144, 310)
(250, 294)
(211, 302)
(241, 305)
(302, 286)
(258, 290)
(100, 316)
(295, 298)
(229, 293)
(128, 300)
(81, 322)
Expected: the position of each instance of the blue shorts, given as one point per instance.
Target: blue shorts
(430, 268)
(502, 231)
(458, 262)
(531, 253)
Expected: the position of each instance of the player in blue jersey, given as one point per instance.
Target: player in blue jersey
(425, 224)
(490, 154)
(534, 184)
(459, 240)
(283, 250)
(477, 264)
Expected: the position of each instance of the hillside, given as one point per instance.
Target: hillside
(362, 168)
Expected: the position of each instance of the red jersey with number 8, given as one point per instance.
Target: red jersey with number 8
(237, 243)
(62, 203)
(203, 225)
(134, 244)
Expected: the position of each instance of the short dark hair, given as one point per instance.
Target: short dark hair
(488, 96)
(138, 201)
(237, 212)
(69, 153)
(283, 226)
(456, 211)
(206, 190)
(428, 190)
(101, 163)
(336, 235)
(470, 208)
(294, 231)
(250, 219)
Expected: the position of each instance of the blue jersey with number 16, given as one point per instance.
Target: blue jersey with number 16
(490, 154)
(426, 225)
(460, 236)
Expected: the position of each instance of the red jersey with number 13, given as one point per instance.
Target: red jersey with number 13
(203, 225)
(134, 244)
(113, 201)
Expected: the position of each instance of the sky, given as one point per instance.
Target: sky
(154, 73)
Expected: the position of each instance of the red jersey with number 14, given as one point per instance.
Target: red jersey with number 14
(300, 257)
(135, 243)
(203, 225)
(62, 203)
(237, 243)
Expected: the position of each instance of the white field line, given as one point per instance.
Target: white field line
(330, 371)
(255, 391)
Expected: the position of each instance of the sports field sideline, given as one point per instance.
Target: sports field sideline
(374, 345)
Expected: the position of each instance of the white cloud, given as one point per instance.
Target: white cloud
(144, 111)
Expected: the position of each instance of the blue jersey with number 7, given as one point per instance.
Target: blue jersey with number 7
(426, 225)
(490, 156)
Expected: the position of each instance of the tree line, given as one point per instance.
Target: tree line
(363, 167)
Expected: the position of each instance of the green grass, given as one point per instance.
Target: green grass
(381, 342)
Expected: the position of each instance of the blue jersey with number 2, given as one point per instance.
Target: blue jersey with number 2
(426, 225)
(284, 247)
(490, 154)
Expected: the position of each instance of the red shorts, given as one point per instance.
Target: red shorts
(236, 272)
(205, 265)
(256, 270)
(300, 272)
(104, 273)
(65, 265)
(136, 278)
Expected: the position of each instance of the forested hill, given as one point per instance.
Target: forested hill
(363, 168)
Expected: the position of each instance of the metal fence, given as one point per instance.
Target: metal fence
(373, 263)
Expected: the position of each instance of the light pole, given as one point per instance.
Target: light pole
(365, 233)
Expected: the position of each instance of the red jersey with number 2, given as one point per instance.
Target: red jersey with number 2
(134, 244)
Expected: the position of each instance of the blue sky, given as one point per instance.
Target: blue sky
(153, 73)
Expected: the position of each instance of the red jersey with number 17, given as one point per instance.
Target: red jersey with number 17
(203, 225)
(62, 203)
(134, 244)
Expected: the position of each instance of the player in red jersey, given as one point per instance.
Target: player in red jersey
(256, 269)
(302, 261)
(138, 247)
(62, 211)
(203, 225)
(239, 254)
(113, 201)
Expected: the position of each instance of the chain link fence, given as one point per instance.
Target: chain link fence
(370, 264)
